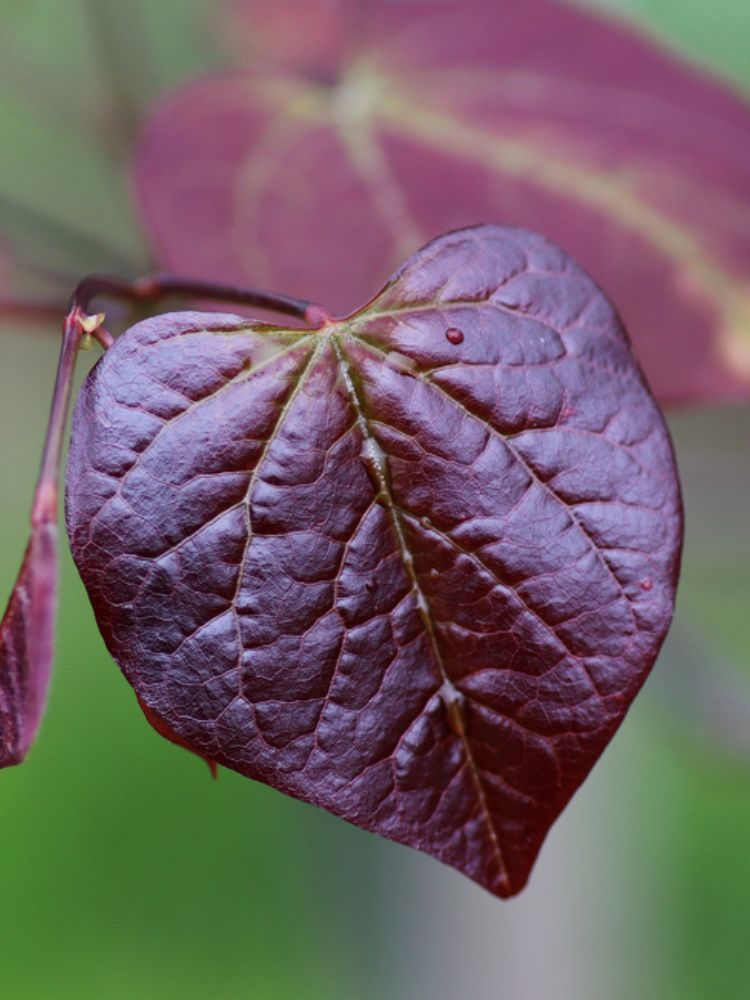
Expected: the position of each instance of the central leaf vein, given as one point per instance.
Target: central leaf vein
(375, 458)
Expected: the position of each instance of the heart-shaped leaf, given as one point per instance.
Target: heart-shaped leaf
(383, 124)
(412, 566)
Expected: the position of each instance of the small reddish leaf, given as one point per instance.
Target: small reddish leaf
(26, 646)
(324, 164)
(27, 631)
(412, 577)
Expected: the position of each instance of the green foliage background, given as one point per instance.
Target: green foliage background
(126, 872)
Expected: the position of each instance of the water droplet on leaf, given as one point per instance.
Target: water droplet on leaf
(454, 335)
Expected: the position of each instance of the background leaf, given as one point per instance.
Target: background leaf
(428, 116)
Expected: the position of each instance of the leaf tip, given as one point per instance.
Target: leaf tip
(165, 730)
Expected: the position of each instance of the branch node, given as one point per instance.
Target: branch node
(90, 323)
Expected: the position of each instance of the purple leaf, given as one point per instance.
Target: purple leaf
(26, 646)
(412, 566)
(361, 130)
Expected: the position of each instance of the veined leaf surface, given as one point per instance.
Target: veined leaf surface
(412, 566)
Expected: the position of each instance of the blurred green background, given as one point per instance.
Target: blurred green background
(126, 872)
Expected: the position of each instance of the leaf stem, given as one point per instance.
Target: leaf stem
(161, 286)
(44, 509)
(154, 289)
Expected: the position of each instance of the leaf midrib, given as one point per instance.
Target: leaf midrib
(423, 605)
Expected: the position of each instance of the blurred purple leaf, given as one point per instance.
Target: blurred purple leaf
(360, 130)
